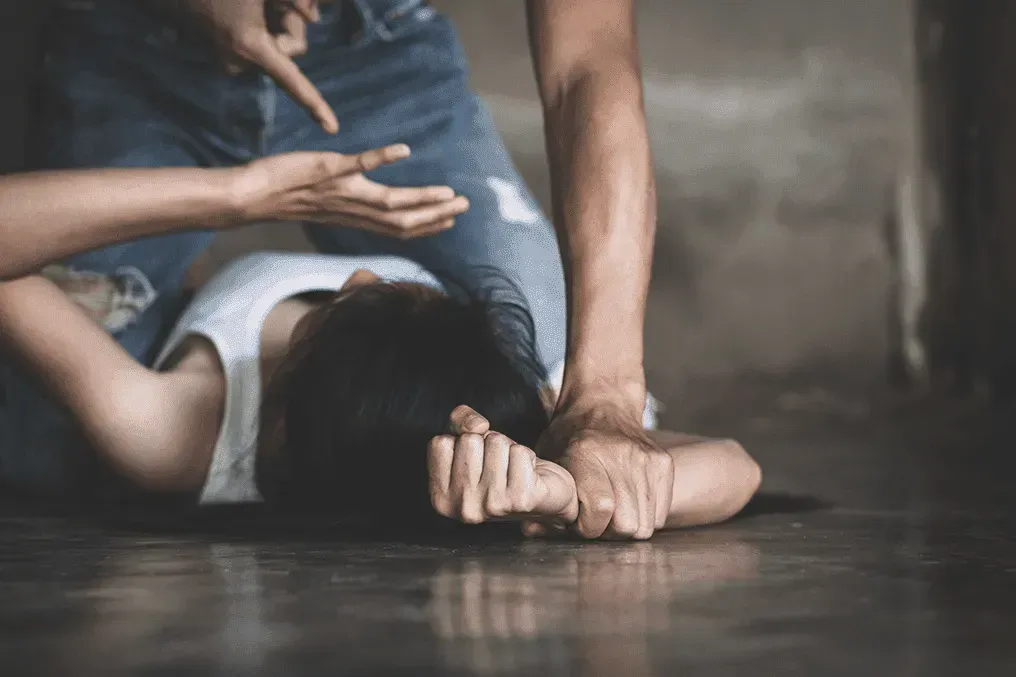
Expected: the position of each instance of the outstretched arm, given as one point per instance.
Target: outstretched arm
(47, 216)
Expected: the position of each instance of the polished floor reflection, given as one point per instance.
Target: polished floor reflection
(883, 546)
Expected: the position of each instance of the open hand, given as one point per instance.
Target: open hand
(331, 188)
(624, 481)
(241, 32)
(478, 475)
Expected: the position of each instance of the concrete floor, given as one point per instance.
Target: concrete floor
(883, 544)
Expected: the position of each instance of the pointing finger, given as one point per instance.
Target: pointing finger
(265, 53)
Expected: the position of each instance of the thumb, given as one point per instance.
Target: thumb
(281, 68)
(465, 419)
(595, 498)
(556, 491)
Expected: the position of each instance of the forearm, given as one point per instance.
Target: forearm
(46, 216)
(713, 479)
(604, 199)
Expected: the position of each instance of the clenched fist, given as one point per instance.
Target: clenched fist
(479, 475)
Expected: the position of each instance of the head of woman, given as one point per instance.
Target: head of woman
(372, 376)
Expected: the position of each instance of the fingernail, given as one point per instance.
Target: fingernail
(315, 13)
(402, 149)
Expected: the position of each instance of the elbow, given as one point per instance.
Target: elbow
(149, 465)
(714, 481)
(746, 478)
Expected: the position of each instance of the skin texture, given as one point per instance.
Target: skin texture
(87, 209)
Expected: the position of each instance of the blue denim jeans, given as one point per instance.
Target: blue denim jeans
(123, 87)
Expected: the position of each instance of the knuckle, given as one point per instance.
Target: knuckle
(524, 453)
(495, 506)
(625, 524)
(247, 42)
(441, 503)
(524, 502)
(644, 533)
(443, 441)
(470, 514)
(602, 505)
(323, 166)
(406, 221)
(442, 444)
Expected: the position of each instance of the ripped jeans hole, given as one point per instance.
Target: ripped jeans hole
(114, 301)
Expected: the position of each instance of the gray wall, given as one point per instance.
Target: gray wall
(776, 128)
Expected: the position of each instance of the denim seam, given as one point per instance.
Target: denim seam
(267, 102)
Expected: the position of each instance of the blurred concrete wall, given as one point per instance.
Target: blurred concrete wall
(776, 126)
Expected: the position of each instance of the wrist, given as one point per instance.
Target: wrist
(623, 391)
(244, 192)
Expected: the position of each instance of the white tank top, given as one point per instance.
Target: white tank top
(229, 311)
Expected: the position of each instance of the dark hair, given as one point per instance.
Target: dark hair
(377, 376)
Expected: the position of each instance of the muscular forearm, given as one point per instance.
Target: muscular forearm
(46, 216)
(603, 190)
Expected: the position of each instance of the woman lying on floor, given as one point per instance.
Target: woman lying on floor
(347, 385)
